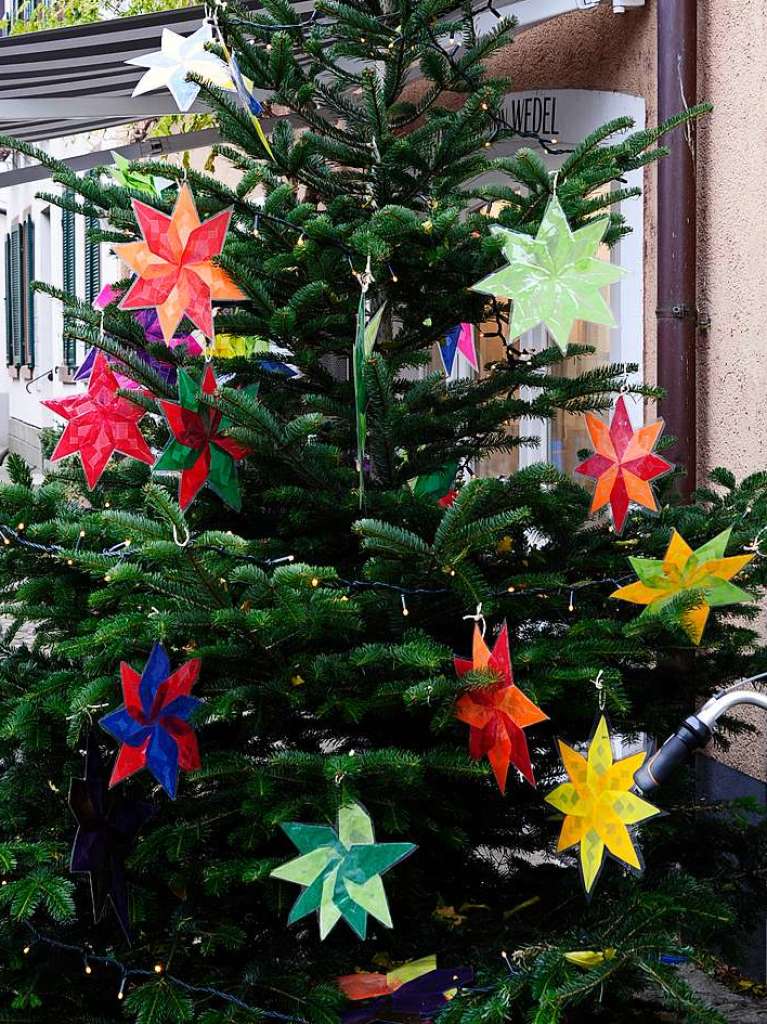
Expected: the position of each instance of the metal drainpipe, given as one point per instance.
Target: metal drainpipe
(677, 300)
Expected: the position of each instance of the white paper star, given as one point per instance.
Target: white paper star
(179, 56)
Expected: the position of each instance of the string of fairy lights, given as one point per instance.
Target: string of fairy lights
(122, 551)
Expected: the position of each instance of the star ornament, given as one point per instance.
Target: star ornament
(497, 715)
(599, 806)
(623, 464)
(152, 725)
(107, 826)
(416, 989)
(99, 423)
(459, 339)
(198, 449)
(178, 57)
(705, 574)
(173, 263)
(340, 871)
(554, 278)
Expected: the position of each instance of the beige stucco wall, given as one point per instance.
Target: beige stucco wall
(600, 50)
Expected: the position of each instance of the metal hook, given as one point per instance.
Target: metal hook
(600, 688)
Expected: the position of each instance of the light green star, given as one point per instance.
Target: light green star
(554, 278)
(340, 871)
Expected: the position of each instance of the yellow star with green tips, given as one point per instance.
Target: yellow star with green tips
(554, 278)
(705, 573)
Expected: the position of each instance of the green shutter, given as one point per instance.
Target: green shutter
(29, 295)
(8, 302)
(69, 274)
(92, 261)
(17, 296)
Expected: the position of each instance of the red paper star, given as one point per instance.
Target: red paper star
(623, 463)
(173, 263)
(497, 714)
(100, 422)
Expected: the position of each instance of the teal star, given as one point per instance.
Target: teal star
(554, 278)
(341, 870)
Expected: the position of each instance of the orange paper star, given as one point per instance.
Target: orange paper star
(705, 573)
(497, 714)
(623, 463)
(174, 265)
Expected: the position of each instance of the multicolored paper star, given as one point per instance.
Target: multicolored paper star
(458, 339)
(704, 573)
(99, 423)
(554, 278)
(497, 714)
(198, 449)
(598, 805)
(153, 723)
(623, 463)
(416, 989)
(340, 871)
(107, 826)
(176, 275)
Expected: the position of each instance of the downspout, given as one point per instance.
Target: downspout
(677, 300)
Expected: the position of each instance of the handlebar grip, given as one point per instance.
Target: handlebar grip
(692, 735)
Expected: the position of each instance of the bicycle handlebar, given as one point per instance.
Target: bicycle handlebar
(692, 735)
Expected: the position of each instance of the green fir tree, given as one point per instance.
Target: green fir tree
(318, 689)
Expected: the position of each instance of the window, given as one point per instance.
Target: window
(69, 282)
(92, 261)
(19, 296)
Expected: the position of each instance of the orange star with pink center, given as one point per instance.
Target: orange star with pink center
(176, 275)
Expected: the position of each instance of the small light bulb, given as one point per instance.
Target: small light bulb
(488, 144)
(88, 969)
(70, 561)
(315, 581)
(158, 968)
(268, 47)
(20, 526)
(26, 948)
(6, 541)
(82, 533)
(344, 597)
(363, 39)
(405, 610)
(510, 590)
(107, 578)
(484, 105)
(127, 542)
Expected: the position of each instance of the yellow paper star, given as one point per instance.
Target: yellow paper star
(599, 806)
(705, 573)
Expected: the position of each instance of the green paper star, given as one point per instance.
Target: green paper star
(554, 278)
(341, 870)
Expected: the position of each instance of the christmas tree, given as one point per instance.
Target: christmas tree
(260, 631)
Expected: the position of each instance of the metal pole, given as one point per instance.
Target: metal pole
(677, 303)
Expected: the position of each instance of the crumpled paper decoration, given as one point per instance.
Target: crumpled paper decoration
(416, 989)
(437, 485)
(554, 278)
(497, 714)
(340, 871)
(198, 449)
(705, 573)
(598, 805)
(623, 463)
(243, 87)
(458, 339)
(137, 180)
(152, 725)
(107, 826)
(174, 265)
(99, 423)
(179, 56)
(588, 959)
